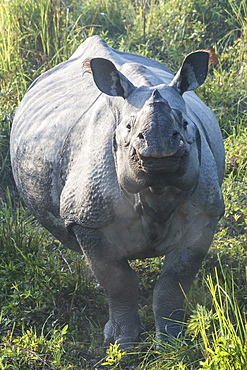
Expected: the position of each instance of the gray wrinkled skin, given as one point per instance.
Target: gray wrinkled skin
(123, 165)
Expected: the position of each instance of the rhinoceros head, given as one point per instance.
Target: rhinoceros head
(155, 143)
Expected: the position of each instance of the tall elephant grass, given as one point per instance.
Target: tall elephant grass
(34, 36)
(42, 287)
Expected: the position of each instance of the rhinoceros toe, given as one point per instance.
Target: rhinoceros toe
(126, 335)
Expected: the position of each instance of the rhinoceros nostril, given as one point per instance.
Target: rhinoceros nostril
(175, 136)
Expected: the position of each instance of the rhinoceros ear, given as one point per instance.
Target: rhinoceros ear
(193, 72)
(108, 79)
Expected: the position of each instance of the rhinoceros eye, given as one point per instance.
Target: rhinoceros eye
(185, 124)
(131, 122)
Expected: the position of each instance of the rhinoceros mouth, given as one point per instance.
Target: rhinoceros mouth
(154, 165)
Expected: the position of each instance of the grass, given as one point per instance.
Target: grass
(52, 315)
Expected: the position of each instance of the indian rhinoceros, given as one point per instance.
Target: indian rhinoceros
(118, 159)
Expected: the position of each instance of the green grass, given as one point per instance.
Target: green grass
(52, 315)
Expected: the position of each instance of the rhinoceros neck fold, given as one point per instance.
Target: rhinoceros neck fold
(160, 206)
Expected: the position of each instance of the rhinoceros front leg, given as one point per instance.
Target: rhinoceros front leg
(179, 270)
(119, 282)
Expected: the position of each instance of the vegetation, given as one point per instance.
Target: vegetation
(52, 315)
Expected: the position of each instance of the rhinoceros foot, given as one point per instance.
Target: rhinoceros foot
(126, 335)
